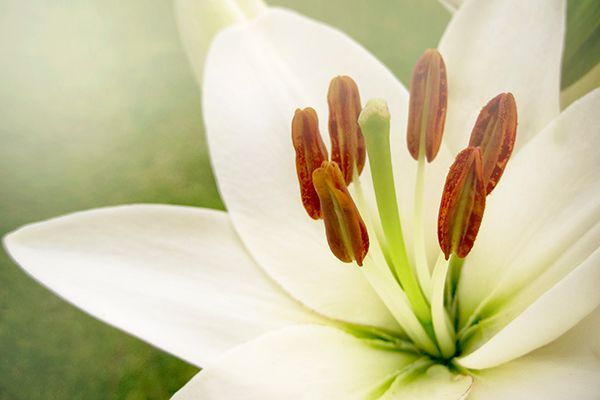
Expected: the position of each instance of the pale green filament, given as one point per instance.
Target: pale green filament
(442, 325)
(403, 376)
(454, 270)
(419, 234)
(396, 300)
(419, 224)
(369, 218)
(375, 124)
(386, 286)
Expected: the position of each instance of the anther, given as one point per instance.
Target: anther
(462, 205)
(310, 154)
(347, 142)
(346, 232)
(495, 133)
(427, 106)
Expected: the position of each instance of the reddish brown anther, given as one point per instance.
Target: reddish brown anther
(310, 154)
(495, 133)
(427, 106)
(346, 232)
(462, 205)
(347, 142)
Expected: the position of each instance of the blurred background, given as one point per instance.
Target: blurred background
(98, 106)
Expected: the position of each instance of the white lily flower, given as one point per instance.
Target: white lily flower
(255, 297)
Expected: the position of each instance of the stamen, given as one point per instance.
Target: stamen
(427, 107)
(495, 133)
(346, 232)
(427, 115)
(310, 154)
(347, 141)
(462, 205)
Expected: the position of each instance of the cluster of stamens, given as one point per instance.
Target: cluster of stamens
(323, 183)
(354, 132)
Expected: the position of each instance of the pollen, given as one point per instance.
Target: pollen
(310, 154)
(427, 105)
(462, 204)
(495, 133)
(347, 142)
(346, 232)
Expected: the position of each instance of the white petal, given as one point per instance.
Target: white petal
(492, 47)
(539, 222)
(569, 368)
(554, 313)
(256, 76)
(437, 383)
(177, 277)
(199, 20)
(303, 362)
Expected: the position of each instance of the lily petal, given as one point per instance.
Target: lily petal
(256, 76)
(177, 277)
(554, 313)
(565, 369)
(491, 47)
(302, 362)
(437, 383)
(551, 194)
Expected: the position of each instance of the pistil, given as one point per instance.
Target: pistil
(375, 123)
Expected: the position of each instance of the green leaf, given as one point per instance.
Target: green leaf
(589, 81)
(582, 41)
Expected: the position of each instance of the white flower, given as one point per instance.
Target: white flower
(254, 295)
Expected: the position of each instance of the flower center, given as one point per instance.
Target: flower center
(423, 298)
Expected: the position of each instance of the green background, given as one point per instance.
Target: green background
(98, 107)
